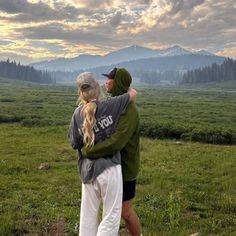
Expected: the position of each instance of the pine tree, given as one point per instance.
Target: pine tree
(224, 72)
(12, 70)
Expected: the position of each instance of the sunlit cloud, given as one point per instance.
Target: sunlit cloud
(24, 48)
(68, 28)
(228, 51)
(150, 17)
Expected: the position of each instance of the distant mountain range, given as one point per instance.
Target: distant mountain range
(157, 70)
(132, 53)
(145, 65)
(180, 63)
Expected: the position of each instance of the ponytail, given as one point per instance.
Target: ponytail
(88, 113)
(89, 91)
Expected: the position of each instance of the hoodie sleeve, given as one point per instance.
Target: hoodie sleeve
(124, 131)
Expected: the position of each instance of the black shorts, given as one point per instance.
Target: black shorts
(129, 190)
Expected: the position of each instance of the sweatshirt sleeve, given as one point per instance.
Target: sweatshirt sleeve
(117, 105)
(74, 136)
(124, 131)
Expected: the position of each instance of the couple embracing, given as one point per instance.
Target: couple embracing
(106, 135)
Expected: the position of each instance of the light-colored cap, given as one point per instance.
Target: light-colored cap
(86, 81)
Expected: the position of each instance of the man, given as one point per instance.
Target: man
(126, 140)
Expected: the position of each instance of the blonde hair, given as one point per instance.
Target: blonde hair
(87, 98)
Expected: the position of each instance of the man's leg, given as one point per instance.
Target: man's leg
(131, 218)
(128, 213)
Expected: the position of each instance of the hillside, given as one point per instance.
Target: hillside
(171, 63)
(125, 54)
(140, 68)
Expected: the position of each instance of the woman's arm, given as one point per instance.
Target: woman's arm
(74, 136)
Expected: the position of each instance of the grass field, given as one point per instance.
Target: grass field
(183, 187)
(183, 113)
(195, 114)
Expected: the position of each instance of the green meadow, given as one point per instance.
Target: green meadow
(184, 187)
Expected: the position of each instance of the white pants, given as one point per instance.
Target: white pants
(107, 188)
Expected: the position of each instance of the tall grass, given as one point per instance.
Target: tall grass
(198, 115)
(183, 187)
(177, 113)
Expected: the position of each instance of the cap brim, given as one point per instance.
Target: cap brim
(107, 75)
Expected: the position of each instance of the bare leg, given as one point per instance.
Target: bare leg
(131, 218)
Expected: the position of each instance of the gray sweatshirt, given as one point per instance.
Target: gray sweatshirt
(107, 115)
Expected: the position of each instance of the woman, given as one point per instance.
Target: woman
(92, 122)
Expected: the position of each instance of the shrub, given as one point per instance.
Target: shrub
(30, 122)
(174, 131)
(213, 136)
(10, 118)
(153, 130)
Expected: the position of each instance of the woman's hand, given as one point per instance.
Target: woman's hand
(132, 94)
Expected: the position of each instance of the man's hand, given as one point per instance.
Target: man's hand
(84, 151)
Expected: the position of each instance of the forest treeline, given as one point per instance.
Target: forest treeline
(214, 73)
(13, 70)
(155, 77)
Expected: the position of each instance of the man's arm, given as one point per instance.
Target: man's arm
(117, 141)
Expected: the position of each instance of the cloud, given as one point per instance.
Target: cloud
(65, 32)
(228, 51)
(24, 50)
(208, 25)
(12, 6)
(97, 3)
(176, 6)
(112, 24)
(5, 42)
(162, 13)
(116, 19)
(25, 11)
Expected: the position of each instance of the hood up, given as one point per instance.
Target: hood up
(121, 82)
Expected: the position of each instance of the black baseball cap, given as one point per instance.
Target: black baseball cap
(111, 74)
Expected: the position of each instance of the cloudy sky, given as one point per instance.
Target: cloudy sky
(34, 30)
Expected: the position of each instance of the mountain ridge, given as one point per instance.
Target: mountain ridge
(131, 53)
(172, 67)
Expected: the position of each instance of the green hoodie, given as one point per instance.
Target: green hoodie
(126, 136)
